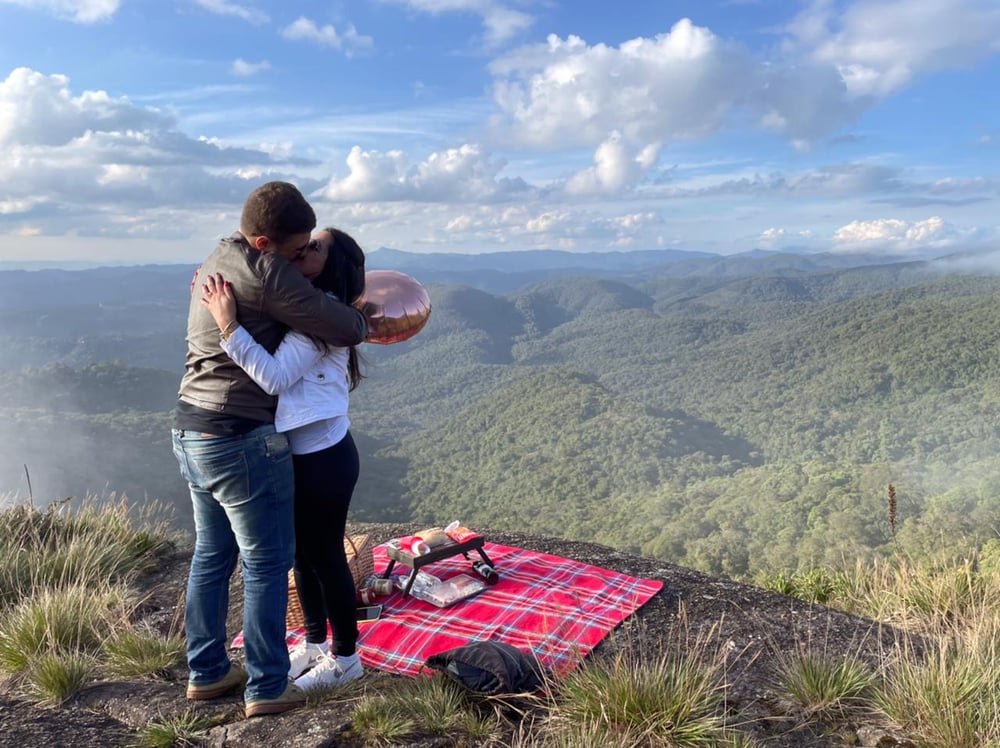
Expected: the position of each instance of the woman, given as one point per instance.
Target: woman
(312, 382)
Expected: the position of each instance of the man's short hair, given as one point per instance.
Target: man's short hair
(277, 210)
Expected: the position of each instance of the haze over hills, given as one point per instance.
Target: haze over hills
(729, 414)
(507, 272)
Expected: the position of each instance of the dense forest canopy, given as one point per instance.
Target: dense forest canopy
(734, 415)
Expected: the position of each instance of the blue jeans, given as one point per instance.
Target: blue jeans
(242, 489)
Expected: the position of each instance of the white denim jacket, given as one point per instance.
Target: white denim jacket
(311, 383)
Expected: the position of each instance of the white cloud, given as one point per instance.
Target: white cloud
(243, 68)
(880, 45)
(349, 41)
(675, 86)
(123, 174)
(897, 235)
(878, 230)
(224, 8)
(89, 162)
(78, 11)
(553, 226)
(771, 235)
(36, 109)
(500, 21)
(615, 168)
(443, 226)
(837, 181)
(687, 84)
(23, 205)
(682, 85)
(464, 174)
(500, 24)
(549, 221)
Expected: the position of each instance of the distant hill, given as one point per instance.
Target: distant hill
(731, 414)
(509, 272)
(560, 449)
(532, 260)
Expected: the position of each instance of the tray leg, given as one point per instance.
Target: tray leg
(485, 557)
(409, 582)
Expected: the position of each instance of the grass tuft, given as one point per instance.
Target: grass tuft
(813, 585)
(425, 706)
(188, 729)
(70, 619)
(436, 704)
(142, 653)
(54, 677)
(376, 722)
(676, 698)
(951, 695)
(826, 688)
(99, 544)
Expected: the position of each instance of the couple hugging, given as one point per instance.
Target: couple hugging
(270, 361)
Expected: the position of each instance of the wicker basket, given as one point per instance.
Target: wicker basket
(362, 565)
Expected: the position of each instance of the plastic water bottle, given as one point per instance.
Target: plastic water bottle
(422, 581)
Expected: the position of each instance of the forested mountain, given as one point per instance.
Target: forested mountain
(728, 414)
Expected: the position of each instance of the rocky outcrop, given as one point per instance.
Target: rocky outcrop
(751, 626)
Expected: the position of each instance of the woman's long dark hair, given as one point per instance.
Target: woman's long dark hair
(343, 274)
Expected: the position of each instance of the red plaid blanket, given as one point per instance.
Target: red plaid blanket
(554, 607)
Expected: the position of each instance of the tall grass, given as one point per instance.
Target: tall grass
(54, 676)
(831, 689)
(672, 698)
(188, 729)
(941, 685)
(66, 605)
(76, 618)
(949, 694)
(65, 599)
(929, 596)
(425, 706)
(141, 652)
(100, 542)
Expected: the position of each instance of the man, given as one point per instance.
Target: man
(238, 468)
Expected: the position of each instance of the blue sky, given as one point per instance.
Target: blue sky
(131, 130)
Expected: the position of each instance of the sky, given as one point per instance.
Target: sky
(132, 130)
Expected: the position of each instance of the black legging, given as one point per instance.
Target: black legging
(324, 483)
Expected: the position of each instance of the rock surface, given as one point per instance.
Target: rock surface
(751, 625)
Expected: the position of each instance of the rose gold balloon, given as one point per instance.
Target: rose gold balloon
(396, 305)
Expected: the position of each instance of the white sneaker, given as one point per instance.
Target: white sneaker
(303, 656)
(329, 672)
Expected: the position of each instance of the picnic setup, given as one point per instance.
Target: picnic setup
(448, 593)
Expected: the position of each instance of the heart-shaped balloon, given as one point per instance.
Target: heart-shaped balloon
(397, 306)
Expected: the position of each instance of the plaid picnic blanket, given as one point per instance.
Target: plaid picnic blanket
(556, 608)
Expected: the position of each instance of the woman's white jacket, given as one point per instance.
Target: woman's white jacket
(311, 382)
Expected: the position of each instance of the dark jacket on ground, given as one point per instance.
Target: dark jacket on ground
(271, 297)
